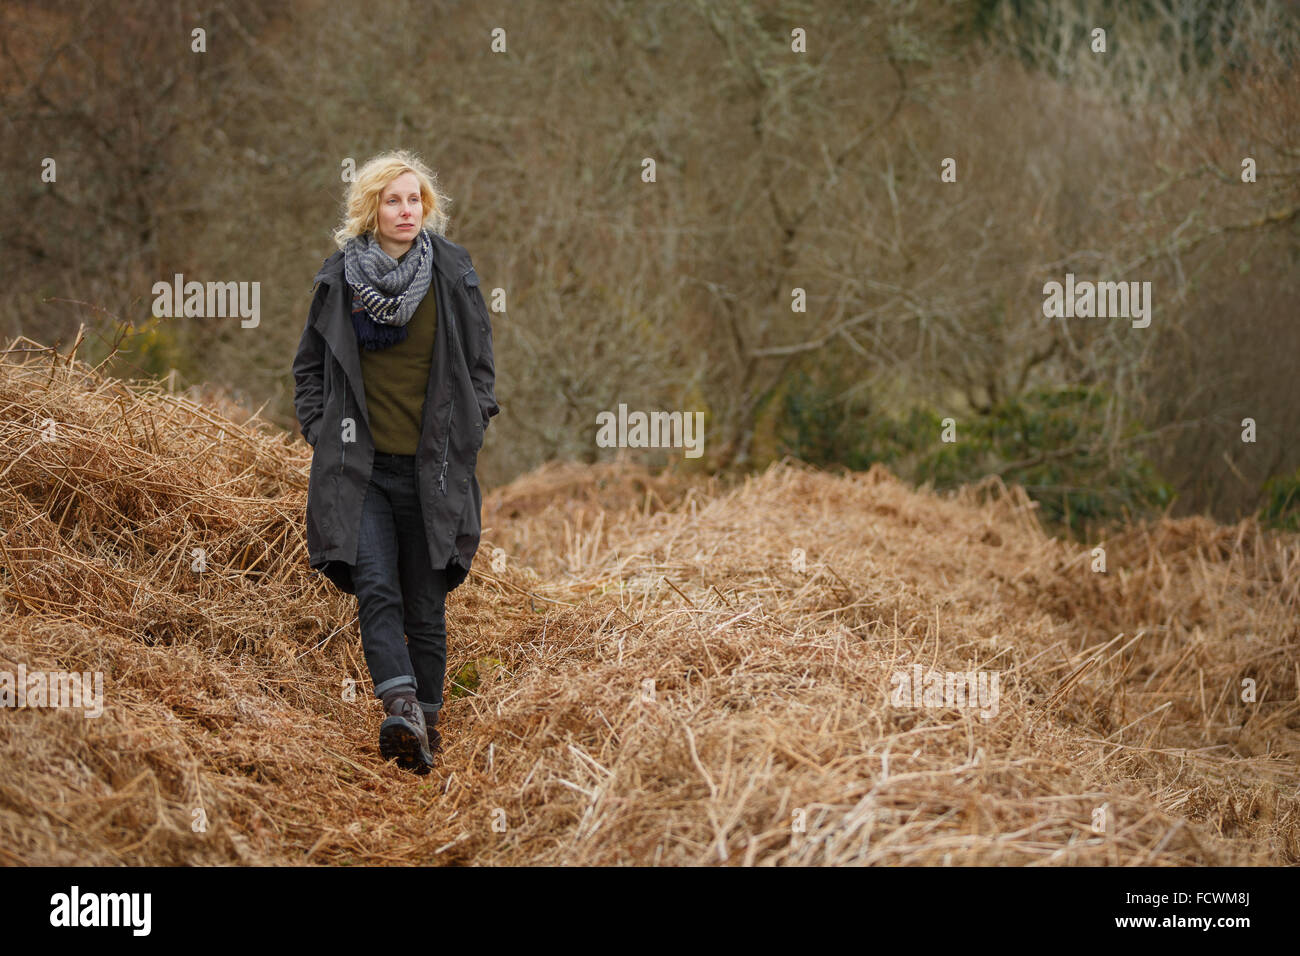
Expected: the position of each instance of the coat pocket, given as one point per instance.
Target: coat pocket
(322, 493)
(340, 402)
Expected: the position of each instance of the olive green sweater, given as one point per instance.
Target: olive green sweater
(396, 379)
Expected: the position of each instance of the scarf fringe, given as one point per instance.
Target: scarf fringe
(372, 336)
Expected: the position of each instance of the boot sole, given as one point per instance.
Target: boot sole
(399, 741)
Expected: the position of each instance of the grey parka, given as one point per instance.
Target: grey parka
(458, 404)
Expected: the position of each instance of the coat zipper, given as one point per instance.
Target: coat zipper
(446, 447)
(343, 446)
(446, 442)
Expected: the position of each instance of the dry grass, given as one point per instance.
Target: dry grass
(771, 685)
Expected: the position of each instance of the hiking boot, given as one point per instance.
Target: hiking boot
(431, 730)
(402, 736)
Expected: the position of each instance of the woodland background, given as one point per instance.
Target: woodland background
(775, 170)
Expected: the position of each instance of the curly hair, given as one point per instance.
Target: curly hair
(361, 205)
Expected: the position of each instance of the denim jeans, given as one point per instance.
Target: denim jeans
(398, 591)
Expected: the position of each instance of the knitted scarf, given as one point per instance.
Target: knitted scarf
(385, 292)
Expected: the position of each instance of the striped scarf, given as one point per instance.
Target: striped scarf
(385, 292)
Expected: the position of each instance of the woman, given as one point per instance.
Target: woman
(394, 383)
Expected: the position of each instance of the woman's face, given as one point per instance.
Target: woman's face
(400, 213)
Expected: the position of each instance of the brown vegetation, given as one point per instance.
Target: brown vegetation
(775, 171)
(771, 689)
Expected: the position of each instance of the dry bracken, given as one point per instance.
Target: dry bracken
(682, 672)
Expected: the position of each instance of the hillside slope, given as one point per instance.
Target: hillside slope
(660, 677)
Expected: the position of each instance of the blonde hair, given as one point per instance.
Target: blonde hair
(361, 205)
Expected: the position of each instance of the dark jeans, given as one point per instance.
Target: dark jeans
(398, 590)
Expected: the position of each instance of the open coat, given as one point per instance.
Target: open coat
(458, 403)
